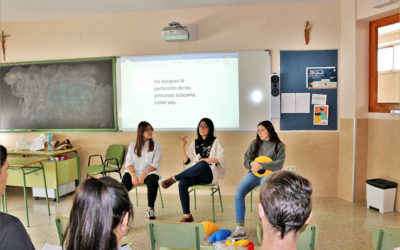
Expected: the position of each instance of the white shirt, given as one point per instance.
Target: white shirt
(147, 159)
(217, 151)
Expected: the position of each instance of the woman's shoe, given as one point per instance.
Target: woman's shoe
(168, 182)
(187, 218)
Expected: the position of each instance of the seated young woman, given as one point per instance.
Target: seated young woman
(267, 143)
(100, 215)
(206, 159)
(142, 165)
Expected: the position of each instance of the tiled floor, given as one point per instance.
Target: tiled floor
(342, 225)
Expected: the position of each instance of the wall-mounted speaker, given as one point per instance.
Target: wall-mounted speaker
(275, 96)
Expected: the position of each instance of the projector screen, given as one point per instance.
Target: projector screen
(173, 92)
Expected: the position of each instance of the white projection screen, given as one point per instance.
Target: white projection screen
(173, 92)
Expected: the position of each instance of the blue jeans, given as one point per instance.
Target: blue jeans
(200, 173)
(248, 182)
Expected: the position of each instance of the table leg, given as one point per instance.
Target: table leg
(5, 200)
(25, 198)
(57, 190)
(78, 166)
(45, 188)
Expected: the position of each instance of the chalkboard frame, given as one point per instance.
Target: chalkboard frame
(115, 115)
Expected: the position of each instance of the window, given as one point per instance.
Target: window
(384, 82)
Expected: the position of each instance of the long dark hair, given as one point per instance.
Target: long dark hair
(3, 155)
(98, 208)
(273, 137)
(210, 136)
(140, 140)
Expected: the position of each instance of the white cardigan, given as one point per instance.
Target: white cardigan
(217, 151)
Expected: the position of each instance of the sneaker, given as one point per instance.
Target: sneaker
(150, 214)
(168, 182)
(187, 219)
(240, 233)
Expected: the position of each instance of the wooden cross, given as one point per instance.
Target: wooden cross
(3, 44)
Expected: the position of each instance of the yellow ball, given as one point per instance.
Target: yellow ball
(263, 159)
(210, 227)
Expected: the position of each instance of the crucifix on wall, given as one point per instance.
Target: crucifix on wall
(3, 44)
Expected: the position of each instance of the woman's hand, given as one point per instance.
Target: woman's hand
(135, 180)
(255, 167)
(183, 141)
(142, 177)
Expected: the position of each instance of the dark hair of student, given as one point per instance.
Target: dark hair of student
(143, 125)
(98, 208)
(210, 136)
(273, 137)
(286, 199)
(3, 155)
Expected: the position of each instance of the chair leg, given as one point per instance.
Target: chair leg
(162, 202)
(212, 195)
(251, 201)
(194, 198)
(220, 199)
(120, 176)
(137, 200)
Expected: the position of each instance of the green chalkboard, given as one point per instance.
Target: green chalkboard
(73, 94)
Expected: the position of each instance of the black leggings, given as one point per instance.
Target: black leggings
(151, 182)
(200, 173)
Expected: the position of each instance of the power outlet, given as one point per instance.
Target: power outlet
(291, 168)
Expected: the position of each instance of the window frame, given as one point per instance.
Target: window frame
(374, 106)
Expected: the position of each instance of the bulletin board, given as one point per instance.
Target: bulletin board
(293, 80)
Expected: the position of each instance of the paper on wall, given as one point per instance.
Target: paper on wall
(318, 99)
(302, 102)
(288, 103)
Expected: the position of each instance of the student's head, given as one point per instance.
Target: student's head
(3, 169)
(266, 131)
(205, 129)
(285, 202)
(100, 214)
(144, 133)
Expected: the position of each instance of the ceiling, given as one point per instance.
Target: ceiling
(30, 10)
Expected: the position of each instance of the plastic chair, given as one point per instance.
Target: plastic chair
(114, 156)
(386, 238)
(213, 189)
(174, 235)
(307, 239)
(61, 224)
(143, 185)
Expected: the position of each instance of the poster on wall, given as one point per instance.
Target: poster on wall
(321, 78)
(321, 114)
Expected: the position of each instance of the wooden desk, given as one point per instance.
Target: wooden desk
(61, 173)
(28, 166)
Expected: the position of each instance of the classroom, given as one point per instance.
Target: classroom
(365, 145)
